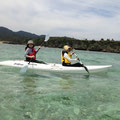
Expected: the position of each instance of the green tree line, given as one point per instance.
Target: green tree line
(90, 45)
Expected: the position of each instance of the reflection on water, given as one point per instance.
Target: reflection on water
(35, 83)
(29, 85)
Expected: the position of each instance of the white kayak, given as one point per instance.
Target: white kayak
(55, 67)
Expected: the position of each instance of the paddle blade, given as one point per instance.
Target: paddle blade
(24, 69)
(46, 38)
(86, 69)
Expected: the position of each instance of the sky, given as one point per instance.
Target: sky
(81, 19)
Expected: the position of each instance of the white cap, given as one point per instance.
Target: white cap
(30, 42)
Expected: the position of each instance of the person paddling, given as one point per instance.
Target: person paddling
(66, 58)
(30, 52)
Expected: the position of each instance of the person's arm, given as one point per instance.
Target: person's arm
(67, 57)
(38, 49)
(26, 52)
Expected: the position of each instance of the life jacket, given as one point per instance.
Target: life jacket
(63, 59)
(33, 53)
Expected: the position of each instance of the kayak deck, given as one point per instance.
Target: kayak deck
(55, 67)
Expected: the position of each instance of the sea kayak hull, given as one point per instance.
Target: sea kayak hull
(55, 67)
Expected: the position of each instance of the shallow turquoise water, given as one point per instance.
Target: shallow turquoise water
(40, 95)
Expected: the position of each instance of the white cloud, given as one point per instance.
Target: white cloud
(75, 18)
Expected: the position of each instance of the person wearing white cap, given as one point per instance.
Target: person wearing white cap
(30, 52)
(66, 58)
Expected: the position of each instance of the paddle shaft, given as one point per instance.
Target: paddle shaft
(78, 58)
(81, 63)
(43, 43)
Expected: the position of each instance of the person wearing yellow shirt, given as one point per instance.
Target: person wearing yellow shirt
(66, 58)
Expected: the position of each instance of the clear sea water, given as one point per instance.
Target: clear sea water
(40, 95)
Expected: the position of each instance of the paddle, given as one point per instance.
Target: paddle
(24, 69)
(46, 39)
(81, 63)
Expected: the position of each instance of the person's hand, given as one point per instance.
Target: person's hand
(73, 53)
(32, 56)
(78, 58)
(39, 47)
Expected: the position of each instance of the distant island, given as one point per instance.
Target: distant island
(21, 37)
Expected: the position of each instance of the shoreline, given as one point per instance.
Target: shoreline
(6, 42)
(1, 42)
